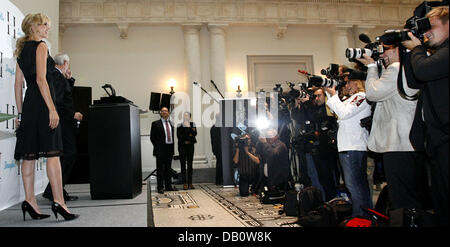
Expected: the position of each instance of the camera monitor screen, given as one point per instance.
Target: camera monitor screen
(165, 101)
(155, 100)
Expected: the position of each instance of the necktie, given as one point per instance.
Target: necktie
(169, 138)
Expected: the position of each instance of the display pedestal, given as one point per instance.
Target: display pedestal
(114, 151)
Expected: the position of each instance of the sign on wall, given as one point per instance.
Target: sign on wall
(11, 185)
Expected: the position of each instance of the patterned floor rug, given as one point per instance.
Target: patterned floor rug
(248, 210)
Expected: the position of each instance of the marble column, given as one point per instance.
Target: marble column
(62, 29)
(218, 54)
(340, 41)
(193, 74)
(217, 70)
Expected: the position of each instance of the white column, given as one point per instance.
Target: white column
(340, 41)
(217, 70)
(193, 74)
(218, 53)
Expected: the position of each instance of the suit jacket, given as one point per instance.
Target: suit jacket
(431, 74)
(63, 97)
(158, 139)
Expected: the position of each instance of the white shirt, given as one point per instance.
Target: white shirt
(351, 136)
(165, 130)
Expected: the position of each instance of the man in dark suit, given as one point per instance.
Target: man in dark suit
(161, 136)
(63, 83)
(430, 130)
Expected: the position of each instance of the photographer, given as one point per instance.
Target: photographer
(431, 124)
(274, 155)
(391, 125)
(352, 139)
(324, 157)
(247, 162)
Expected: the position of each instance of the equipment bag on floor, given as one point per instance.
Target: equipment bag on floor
(272, 196)
(309, 198)
(342, 207)
(290, 206)
(322, 216)
(402, 217)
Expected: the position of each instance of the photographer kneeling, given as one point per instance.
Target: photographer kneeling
(392, 121)
(247, 162)
(352, 139)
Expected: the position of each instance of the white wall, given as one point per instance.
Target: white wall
(48, 7)
(256, 40)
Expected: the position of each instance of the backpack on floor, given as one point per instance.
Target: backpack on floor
(273, 196)
(290, 206)
(342, 208)
(322, 216)
(309, 198)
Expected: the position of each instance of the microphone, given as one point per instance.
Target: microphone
(364, 38)
(78, 124)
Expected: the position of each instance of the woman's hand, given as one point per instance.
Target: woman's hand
(54, 119)
(17, 123)
(330, 90)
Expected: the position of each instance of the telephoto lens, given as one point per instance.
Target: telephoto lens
(357, 52)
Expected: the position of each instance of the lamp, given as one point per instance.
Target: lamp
(172, 83)
(237, 81)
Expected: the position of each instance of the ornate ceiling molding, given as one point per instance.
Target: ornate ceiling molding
(286, 12)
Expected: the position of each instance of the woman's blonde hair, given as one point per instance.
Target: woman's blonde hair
(28, 22)
(359, 85)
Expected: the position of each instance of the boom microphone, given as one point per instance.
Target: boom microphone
(364, 38)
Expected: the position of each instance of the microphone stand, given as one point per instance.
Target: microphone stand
(214, 84)
(200, 86)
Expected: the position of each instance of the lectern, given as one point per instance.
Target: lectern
(114, 151)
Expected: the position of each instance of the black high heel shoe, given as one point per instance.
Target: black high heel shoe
(26, 207)
(56, 208)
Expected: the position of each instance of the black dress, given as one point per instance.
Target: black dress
(35, 138)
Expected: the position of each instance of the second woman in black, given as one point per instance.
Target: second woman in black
(186, 133)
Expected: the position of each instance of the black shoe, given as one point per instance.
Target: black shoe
(160, 191)
(68, 198)
(26, 207)
(171, 189)
(58, 209)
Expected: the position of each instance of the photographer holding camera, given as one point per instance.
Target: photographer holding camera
(431, 123)
(352, 139)
(247, 161)
(392, 121)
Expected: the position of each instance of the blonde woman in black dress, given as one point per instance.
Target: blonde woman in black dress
(38, 132)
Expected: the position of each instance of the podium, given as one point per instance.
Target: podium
(114, 151)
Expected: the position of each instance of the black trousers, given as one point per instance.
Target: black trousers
(163, 166)
(245, 182)
(438, 164)
(186, 152)
(406, 178)
(69, 156)
(219, 171)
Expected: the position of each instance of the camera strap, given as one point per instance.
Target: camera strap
(400, 88)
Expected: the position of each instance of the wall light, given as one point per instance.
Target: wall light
(172, 83)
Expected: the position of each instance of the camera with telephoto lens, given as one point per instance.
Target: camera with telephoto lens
(373, 50)
(332, 71)
(319, 81)
(418, 24)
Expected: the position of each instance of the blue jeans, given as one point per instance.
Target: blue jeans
(354, 167)
(312, 173)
